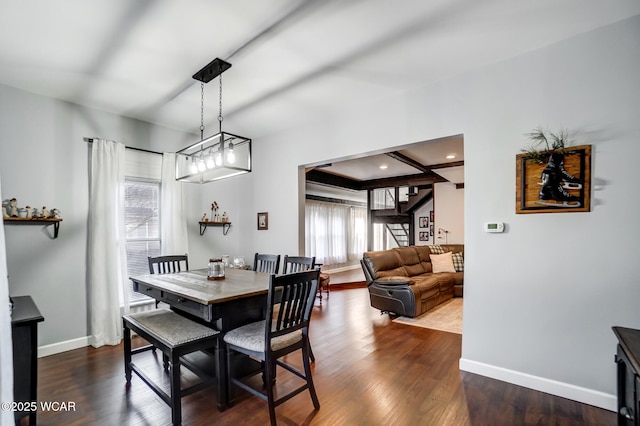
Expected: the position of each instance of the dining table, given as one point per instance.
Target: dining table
(224, 304)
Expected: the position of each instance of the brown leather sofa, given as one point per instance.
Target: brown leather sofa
(401, 280)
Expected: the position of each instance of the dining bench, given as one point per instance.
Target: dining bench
(175, 335)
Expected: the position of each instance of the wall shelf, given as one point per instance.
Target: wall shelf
(225, 226)
(35, 221)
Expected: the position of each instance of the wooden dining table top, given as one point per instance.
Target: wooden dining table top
(195, 286)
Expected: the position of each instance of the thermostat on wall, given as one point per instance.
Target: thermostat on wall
(494, 227)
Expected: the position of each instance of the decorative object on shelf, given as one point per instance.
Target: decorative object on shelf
(216, 270)
(4, 211)
(224, 217)
(13, 207)
(263, 221)
(54, 213)
(552, 176)
(218, 156)
(204, 218)
(29, 212)
(44, 213)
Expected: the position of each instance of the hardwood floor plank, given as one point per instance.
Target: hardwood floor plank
(368, 371)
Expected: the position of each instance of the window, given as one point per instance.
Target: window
(142, 225)
(335, 233)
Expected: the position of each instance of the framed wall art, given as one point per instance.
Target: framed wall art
(263, 221)
(554, 181)
(423, 222)
(424, 236)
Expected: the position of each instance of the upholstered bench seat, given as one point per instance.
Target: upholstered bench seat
(175, 336)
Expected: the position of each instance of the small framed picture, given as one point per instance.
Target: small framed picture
(423, 222)
(431, 229)
(424, 236)
(263, 221)
(431, 215)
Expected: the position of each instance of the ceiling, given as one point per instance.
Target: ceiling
(441, 159)
(290, 58)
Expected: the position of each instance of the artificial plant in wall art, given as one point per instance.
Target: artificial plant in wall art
(552, 175)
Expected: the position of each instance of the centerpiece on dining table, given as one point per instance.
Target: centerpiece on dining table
(216, 270)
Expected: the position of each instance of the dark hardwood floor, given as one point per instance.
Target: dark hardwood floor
(368, 371)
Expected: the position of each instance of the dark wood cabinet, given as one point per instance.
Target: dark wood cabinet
(628, 380)
(24, 331)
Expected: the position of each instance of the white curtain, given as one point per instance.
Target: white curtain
(357, 231)
(6, 347)
(107, 263)
(173, 227)
(326, 232)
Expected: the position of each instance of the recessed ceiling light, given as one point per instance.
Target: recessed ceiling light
(384, 167)
(450, 156)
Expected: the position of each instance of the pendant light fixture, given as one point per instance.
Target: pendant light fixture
(221, 155)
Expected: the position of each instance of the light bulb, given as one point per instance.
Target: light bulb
(201, 166)
(210, 162)
(231, 156)
(193, 168)
(218, 158)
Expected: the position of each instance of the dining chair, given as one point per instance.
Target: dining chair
(168, 264)
(293, 264)
(297, 264)
(268, 263)
(302, 263)
(283, 331)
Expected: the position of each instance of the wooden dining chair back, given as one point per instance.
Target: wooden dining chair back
(297, 263)
(268, 263)
(168, 264)
(285, 330)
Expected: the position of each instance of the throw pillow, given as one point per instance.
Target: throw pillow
(442, 263)
(436, 249)
(458, 261)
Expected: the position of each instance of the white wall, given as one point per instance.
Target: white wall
(44, 161)
(539, 299)
(448, 213)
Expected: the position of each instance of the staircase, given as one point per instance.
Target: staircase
(417, 198)
(400, 233)
(394, 209)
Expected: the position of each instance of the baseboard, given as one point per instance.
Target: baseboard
(564, 390)
(59, 347)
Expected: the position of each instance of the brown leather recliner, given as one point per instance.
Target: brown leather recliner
(402, 281)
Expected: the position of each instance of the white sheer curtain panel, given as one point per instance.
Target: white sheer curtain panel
(6, 347)
(357, 231)
(326, 232)
(107, 260)
(173, 226)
